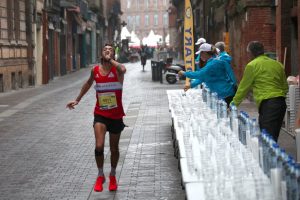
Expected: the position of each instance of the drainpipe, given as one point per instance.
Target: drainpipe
(45, 71)
(30, 42)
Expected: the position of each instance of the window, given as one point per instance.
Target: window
(155, 20)
(137, 20)
(146, 4)
(165, 2)
(155, 3)
(128, 4)
(132, 21)
(146, 20)
(166, 20)
(138, 4)
(10, 22)
(14, 30)
(16, 14)
(129, 21)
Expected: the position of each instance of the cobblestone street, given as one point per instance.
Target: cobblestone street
(47, 151)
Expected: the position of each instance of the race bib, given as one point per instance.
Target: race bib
(107, 100)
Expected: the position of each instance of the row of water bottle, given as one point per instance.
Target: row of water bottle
(214, 153)
(280, 168)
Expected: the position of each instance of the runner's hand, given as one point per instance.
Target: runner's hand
(108, 56)
(71, 105)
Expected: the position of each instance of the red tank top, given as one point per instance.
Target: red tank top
(108, 94)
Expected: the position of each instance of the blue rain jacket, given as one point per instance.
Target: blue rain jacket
(217, 75)
(225, 57)
(197, 63)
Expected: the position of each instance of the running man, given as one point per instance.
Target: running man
(108, 112)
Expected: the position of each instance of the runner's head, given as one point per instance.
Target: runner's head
(108, 49)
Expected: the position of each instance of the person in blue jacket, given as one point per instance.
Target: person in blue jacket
(216, 74)
(223, 55)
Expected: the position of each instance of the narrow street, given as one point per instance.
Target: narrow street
(47, 151)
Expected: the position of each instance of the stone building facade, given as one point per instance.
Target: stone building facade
(142, 16)
(40, 39)
(13, 45)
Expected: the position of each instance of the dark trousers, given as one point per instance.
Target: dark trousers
(228, 100)
(271, 114)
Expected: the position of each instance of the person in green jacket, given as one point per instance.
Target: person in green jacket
(266, 77)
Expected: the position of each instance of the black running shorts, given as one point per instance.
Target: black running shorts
(112, 125)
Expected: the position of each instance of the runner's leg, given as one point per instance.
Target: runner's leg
(114, 149)
(99, 130)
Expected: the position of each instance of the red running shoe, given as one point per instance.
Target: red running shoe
(113, 186)
(98, 185)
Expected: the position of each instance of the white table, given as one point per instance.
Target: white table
(195, 191)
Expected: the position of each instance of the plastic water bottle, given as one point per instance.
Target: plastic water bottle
(287, 177)
(270, 153)
(234, 119)
(224, 109)
(204, 93)
(214, 99)
(255, 128)
(208, 97)
(274, 151)
(298, 181)
(263, 146)
(285, 166)
(280, 158)
(293, 182)
(287, 161)
(267, 144)
(247, 136)
(219, 109)
(241, 125)
(290, 177)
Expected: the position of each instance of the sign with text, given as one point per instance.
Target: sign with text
(189, 60)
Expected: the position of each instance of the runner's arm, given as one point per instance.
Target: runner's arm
(86, 86)
(120, 69)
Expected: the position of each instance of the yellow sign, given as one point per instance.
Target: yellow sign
(226, 41)
(189, 60)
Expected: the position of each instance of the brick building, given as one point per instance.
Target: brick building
(176, 14)
(275, 23)
(14, 65)
(142, 16)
